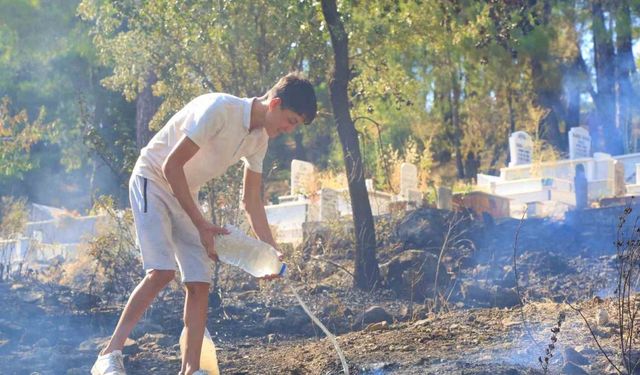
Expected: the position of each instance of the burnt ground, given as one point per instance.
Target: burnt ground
(259, 329)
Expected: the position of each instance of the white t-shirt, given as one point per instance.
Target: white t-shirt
(219, 125)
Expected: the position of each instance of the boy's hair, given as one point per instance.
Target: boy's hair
(297, 94)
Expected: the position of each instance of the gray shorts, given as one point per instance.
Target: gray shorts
(165, 234)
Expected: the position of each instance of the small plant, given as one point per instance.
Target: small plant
(117, 265)
(548, 351)
(13, 219)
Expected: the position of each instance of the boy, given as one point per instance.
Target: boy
(211, 133)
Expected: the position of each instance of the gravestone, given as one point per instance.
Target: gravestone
(301, 176)
(408, 179)
(581, 187)
(328, 204)
(579, 143)
(444, 198)
(520, 148)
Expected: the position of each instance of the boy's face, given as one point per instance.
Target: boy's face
(280, 120)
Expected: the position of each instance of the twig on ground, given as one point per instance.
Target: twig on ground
(515, 274)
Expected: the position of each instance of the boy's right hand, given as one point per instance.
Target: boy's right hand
(207, 233)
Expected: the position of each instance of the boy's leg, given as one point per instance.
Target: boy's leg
(195, 318)
(139, 301)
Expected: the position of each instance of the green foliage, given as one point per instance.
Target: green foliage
(17, 136)
(13, 216)
(48, 60)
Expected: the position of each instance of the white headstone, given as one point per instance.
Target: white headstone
(408, 178)
(369, 184)
(328, 204)
(520, 148)
(579, 143)
(301, 175)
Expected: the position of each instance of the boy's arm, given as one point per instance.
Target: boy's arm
(173, 169)
(254, 206)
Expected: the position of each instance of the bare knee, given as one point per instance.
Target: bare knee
(197, 289)
(160, 278)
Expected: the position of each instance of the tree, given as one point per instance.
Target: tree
(17, 137)
(604, 62)
(366, 266)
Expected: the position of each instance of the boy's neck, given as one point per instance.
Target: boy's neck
(259, 109)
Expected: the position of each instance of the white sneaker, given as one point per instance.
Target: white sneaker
(109, 364)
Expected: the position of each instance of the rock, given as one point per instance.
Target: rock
(158, 339)
(571, 355)
(496, 296)
(130, 347)
(374, 314)
(413, 271)
(31, 296)
(144, 327)
(380, 326)
(94, 344)
(293, 320)
(572, 369)
(84, 301)
(422, 228)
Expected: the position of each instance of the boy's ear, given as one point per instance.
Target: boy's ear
(274, 103)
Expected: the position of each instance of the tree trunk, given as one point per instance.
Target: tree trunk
(146, 107)
(454, 101)
(572, 94)
(547, 91)
(366, 273)
(625, 67)
(547, 97)
(605, 79)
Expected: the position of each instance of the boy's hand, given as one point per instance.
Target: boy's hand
(207, 233)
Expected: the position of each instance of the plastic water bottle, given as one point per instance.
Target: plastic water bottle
(252, 255)
(208, 357)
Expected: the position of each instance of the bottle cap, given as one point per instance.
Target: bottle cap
(283, 269)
